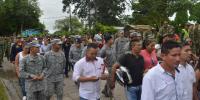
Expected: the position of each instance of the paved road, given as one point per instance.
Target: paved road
(70, 90)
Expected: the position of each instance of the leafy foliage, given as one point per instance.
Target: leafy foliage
(105, 11)
(150, 12)
(155, 12)
(195, 12)
(104, 28)
(62, 33)
(63, 25)
(17, 15)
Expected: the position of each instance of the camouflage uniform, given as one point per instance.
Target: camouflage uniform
(166, 29)
(7, 48)
(56, 63)
(83, 52)
(75, 54)
(107, 54)
(29, 67)
(119, 46)
(127, 47)
(2, 50)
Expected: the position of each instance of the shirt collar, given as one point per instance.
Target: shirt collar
(180, 65)
(160, 68)
(88, 60)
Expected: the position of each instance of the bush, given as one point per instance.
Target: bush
(104, 29)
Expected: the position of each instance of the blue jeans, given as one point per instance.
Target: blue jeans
(22, 85)
(133, 93)
(85, 99)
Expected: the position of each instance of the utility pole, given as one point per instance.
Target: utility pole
(89, 17)
(70, 20)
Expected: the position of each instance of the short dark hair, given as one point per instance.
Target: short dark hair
(132, 42)
(146, 43)
(92, 45)
(184, 44)
(107, 37)
(168, 45)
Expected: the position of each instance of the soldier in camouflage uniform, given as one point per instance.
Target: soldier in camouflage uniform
(119, 44)
(133, 36)
(33, 68)
(107, 54)
(75, 51)
(166, 29)
(56, 62)
(2, 49)
(8, 47)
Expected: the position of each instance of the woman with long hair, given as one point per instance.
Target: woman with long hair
(149, 54)
(18, 59)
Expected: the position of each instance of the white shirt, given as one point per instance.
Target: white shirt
(45, 48)
(159, 85)
(21, 57)
(186, 78)
(88, 90)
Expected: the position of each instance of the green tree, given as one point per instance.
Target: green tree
(195, 12)
(155, 12)
(18, 15)
(104, 28)
(105, 11)
(64, 25)
(150, 12)
(61, 33)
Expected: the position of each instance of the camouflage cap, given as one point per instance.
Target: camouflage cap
(56, 41)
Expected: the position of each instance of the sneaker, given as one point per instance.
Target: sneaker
(24, 98)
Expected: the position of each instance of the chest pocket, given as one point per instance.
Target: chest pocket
(34, 66)
(121, 44)
(92, 70)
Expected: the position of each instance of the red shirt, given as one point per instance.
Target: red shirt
(150, 60)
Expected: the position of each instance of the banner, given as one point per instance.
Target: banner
(30, 32)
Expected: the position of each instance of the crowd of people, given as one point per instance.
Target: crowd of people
(149, 70)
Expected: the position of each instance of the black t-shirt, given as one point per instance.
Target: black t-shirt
(135, 66)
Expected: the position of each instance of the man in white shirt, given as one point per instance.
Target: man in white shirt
(160, 83)
(186, 77)
(88, 71)
(45, 47)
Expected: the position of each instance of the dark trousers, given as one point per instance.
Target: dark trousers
(22, 85)
(71, 66)
(67, 68)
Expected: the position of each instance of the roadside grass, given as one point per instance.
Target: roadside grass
(3, 95)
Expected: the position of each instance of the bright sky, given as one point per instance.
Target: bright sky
(52, 11)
